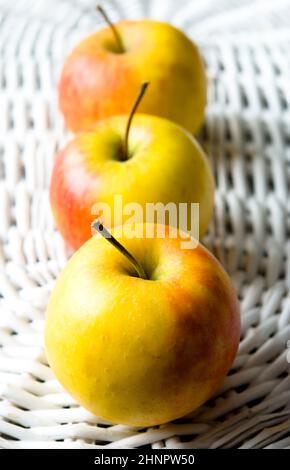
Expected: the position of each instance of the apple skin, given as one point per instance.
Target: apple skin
(142, 352)
(166, 164)
(97, 82)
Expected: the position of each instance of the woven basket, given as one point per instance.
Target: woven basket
(247, 137)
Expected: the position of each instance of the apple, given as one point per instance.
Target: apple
(160, 163)
(142, 334)
(102, 75)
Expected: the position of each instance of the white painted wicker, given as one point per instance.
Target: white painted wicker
(247, 136)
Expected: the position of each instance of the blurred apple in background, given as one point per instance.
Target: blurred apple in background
(162, 163)
(142, 350)
(102, 75)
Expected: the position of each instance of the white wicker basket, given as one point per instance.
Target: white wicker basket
(247, 136)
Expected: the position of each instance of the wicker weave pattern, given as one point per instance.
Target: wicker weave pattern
(247, 137)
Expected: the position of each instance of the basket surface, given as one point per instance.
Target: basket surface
(247, 137)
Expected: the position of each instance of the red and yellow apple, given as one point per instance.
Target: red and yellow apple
(142, 351)
(163, 164)
(100, 78)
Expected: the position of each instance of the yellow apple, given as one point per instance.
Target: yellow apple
(164, 163)
(101, 77)
(142, 351)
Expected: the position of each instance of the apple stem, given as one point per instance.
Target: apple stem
(113, 28)
(99, 227)
(131, 115)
